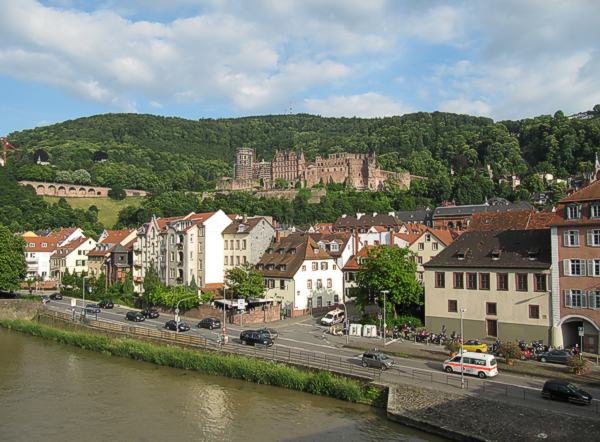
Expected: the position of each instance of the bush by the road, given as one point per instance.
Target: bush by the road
(233, 366)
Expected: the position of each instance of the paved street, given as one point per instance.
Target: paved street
(306, 335)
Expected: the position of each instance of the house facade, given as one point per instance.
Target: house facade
(425, 243)
(576, 263)
(38, 250)
(72, 257)
(245, 240)
(501, 279)
(300, 274)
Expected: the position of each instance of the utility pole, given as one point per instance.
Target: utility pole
(462, 372)
(385, 292)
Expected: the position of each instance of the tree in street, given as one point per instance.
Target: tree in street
(392, 269)
(244, 282)
(12, 260)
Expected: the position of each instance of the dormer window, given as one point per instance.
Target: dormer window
(270, 266)
(427, 237)
(292, 251)
(462, 254)
(259, 266)
(316, 251)
(573, 211)
(269, 250)
(595, 210)
(282, 267)
(532, 254)
(281, 251)
(31, 244)
(496, 254)
(44, 244)
(334, 247)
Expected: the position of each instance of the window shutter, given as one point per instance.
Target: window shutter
(583, 269)
(566, 267)
(590, 267)
(566, 239)
(591, 300)
(584, 299)
(567, 296)
(590, 237)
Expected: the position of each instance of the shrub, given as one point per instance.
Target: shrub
(579, 365)
(510, 350)
(452, 346)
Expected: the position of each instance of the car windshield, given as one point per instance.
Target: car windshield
(572, 387)
(382, 357)
(328, 316)
(493, 362)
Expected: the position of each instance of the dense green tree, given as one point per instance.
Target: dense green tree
(392, 269)
(244, 282)
(12, 260)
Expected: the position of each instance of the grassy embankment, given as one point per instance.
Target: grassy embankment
(108, 209)
(238, 367)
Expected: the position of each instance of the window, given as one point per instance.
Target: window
(226, 245)
(350, 276)
(319, 284)
(595, 210)
(244, 259)
(231, 244)
(575, 299)
(459, 280)
(237, 260)
(502, 281)
(593, 238)
(282, 284)
(304, 268)
(452, 305)
(594, 299)
(243, 244)
(172, 256)
(324, 266)
(231, 261)
(540, 282)
(421, 246)
(334, 247)
(571, 238)
(484, 281)
(534, 312)
(271, 283)
(521, 279)
(576, 267)
(434, 246)
(492, 327)
(427, 237)
(419, 260)
(573, 211)
(472, 281)
(490, 308)
(329, 283)
(334, 267)
(237, 244)
(315, 266)
(440, 280)
(336, 299)
(309, 284)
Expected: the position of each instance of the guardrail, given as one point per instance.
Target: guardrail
(287, 355)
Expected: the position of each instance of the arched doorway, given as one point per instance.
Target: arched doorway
(570, 331)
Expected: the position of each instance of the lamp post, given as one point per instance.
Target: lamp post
(177, 310)
(83, 291)
(385, 293)
(347, 323)
(462, 374)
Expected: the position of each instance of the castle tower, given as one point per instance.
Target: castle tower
(244, 163)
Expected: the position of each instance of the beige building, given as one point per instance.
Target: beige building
(72, 256)
(245, 240)
(501, 279)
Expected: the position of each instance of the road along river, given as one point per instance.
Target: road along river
(53, 392)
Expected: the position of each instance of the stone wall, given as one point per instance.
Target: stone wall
(74, 190)
(18, 308)
(254, 316)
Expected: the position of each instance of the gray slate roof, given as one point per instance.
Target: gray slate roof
(481, 208)
(526, 249)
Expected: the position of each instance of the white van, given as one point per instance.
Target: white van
(478, 364)
(333, 317)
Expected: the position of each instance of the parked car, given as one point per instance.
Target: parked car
(151, 313)
(56, 296)
(135, 316)
(556, 356)
(376, 359)
(92, 308)
(209, 323)
(253, 337)
(473, 345)
(333, 317)
(106, 303)
(172, 325)
(269, 332)
(565, 391)
(45, 299)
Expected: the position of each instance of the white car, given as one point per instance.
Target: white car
(478, 364)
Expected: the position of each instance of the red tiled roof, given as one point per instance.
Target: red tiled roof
(587, 193)
(69, 247)
(116, 236)
(445, 236)
(37, 242)
(352, 263)
(521, 220)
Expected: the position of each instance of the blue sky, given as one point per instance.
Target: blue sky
(64, 59)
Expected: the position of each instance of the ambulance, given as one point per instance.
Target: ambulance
(477, 364)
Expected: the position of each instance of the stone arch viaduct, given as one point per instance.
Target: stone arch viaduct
(74, 190)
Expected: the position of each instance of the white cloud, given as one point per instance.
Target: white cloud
(465, 106)
(366, 105)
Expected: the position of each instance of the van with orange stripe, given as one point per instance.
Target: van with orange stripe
(478, 364)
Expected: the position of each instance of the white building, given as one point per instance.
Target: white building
(71, 256)
(38, 250)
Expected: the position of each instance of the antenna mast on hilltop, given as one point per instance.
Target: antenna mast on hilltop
(5, 145)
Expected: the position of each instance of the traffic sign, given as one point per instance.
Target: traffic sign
(73, 302)
(580, 330)
(241, 304)
(177, 311)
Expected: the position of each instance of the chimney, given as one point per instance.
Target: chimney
(374, 214)
(359, 215)
(392, 213)
(277, 235)
(344, 215)
(245, 218)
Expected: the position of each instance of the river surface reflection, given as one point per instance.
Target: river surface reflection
(52, 392)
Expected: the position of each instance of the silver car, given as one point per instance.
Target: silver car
(376, 359)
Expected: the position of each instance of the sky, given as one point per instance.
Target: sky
(507, 59)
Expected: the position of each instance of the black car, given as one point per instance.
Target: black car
(253, 337)
(150, 313)
(172, 325)
(92, 308)
(56, 296)
(269, 332)
(106, 303)
(135, 316)
(209, 323)
(565, 391)
(557, 356)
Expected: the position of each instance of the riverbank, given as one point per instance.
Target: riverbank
(238, 367)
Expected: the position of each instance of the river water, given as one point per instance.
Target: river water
(52, 392)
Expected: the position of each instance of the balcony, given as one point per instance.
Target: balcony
(179, 246)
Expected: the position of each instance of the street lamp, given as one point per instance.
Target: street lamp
(347, 323)
(83, 290)
(177, 310)
(385, 293)
(462, 374)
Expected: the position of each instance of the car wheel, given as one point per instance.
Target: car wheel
(481, 375)
(542, 359)
(477, 351)
(449, 369)
(364, 364)
(210, 327)
(243, 341)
